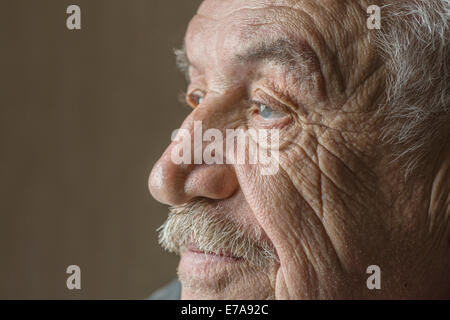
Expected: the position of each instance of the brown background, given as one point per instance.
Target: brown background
(84, 116)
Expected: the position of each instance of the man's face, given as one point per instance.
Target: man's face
(308, 69)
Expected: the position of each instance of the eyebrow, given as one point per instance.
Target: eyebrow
(293, 57)
(297, 57)
(182, 61)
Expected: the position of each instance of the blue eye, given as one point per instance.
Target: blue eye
(195, 98)
(264, 111)
(199, 99)
(267, 112)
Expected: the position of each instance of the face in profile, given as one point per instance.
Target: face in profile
(309, 72)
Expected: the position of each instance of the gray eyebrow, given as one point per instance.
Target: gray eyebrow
(280, 51)
(182, 61)
(295, 57)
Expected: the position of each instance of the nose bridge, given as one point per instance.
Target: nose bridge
(216, 110)
(181, 173)
(210, 118)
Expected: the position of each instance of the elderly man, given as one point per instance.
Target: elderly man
(358, 206)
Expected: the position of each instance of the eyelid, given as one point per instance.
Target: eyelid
(275, 108)
(255, 109)
(271, 101)
(261, 97)
(279, 98)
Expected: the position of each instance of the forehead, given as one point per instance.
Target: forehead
(223, 26)
(334, 29)
(221, 8)
(223, 16)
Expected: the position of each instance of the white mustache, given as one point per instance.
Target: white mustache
(198, 221)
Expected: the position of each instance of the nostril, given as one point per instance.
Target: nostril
(175, 184)
(213, 182)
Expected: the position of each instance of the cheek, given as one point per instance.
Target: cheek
(311, 194)
(279, 201)
(318, 210)
(290, 225)
(273, 201)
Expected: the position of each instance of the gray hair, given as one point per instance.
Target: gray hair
(415, 41)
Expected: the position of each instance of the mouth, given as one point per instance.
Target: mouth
(193, 249)
(207, 267)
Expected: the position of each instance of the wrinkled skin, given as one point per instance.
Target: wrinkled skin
(337, 204)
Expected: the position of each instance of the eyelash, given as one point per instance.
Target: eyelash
(282, 116)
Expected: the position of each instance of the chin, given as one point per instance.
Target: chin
(212, 277)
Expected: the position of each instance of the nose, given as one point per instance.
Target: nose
(175, 184)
